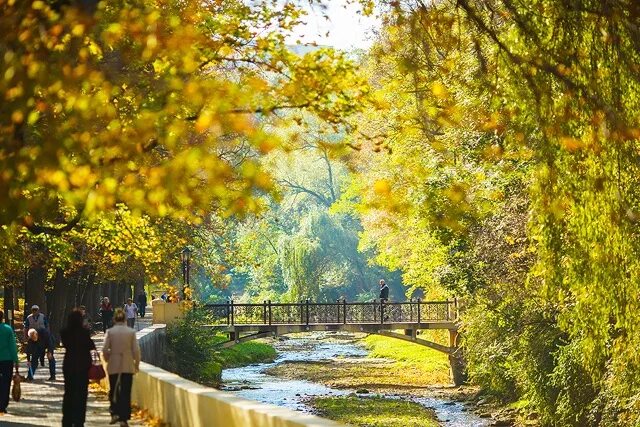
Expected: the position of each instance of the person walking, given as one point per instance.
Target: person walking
(106, 313)
(39, 344)
(131, 309)
(77, 341)
(34, 321)
(142, 302)
(86, 319)
(122, 354)
(8, 360)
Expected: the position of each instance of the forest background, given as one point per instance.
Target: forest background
(484, 149)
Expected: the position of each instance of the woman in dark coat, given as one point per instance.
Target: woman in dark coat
(77, 360)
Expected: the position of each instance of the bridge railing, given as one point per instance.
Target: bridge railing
(308, 313)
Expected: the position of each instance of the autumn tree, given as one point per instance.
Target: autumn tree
(514, 130)
(130, 102)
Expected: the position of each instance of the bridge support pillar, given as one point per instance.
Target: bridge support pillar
(456, 360)
(233, 336)
(410, 333)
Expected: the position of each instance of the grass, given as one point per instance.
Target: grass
(245, 354)
(411, 359)
(374, 412)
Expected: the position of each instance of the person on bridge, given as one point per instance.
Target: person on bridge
(8, 360)
(77, 341)
(384, 291)
(122, 353)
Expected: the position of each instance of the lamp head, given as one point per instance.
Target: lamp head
(185, 254)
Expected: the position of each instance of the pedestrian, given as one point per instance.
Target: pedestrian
(131, 309)
(384, 297)
(142, 302)
(35, 320)
(86, 320)
(384, 291)
(122, 353)
(8, 360)
(77, 341)
(106, 312)
(39, 344)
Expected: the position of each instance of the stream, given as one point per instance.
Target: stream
(253, 383)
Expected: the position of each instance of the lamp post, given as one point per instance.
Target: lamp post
(185, 255)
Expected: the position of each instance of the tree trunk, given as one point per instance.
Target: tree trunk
(58, 300)
(34, 289)
(8, 304)
(121, 295)
(138, 287)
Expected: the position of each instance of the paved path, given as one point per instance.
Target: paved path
(41, 403)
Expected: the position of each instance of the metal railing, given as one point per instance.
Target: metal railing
(339, 312)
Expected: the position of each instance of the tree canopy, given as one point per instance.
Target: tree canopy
(142, 103)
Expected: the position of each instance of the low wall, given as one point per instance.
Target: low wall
(181, 402)
(165, 312)
(153, 344)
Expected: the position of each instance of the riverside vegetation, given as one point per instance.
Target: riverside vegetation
(194, 352)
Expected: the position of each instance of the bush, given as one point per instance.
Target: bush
(190, 349)
(195, 352)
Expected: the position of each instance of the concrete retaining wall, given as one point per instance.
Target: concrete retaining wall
(181, 402)
(165, 312)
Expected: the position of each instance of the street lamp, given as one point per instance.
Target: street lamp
(185, 255)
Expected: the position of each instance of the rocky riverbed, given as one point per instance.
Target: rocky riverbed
(314, 366)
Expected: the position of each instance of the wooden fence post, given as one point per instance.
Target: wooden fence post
(232, 320)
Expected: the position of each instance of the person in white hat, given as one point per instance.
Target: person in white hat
(34, 321)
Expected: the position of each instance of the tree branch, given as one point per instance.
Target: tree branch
(53, 230)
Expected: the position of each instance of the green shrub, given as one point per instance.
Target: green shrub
(195, 352)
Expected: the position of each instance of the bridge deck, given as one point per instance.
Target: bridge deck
(279, 329)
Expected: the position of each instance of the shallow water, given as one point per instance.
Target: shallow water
(252, 383)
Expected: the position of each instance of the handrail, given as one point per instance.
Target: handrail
(339, 312)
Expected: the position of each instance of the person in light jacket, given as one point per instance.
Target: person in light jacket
(122, 354)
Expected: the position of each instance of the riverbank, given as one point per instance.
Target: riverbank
(390, 377)
(244, 354)
(392, 366)
(395, 385)
(360, 380)
(374, 411)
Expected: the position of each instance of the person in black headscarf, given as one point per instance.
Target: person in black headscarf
(77, 341)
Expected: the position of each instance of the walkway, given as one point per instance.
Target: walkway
(41, 403)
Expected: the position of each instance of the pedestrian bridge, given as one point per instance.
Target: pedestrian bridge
(245, 322)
